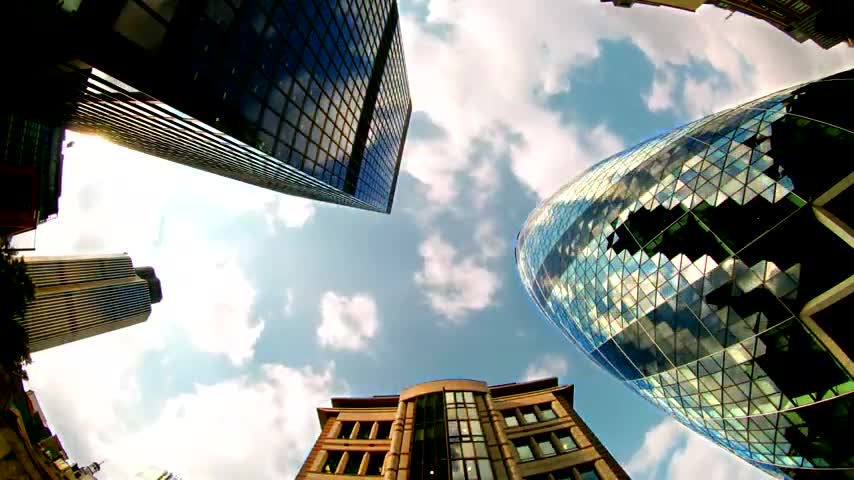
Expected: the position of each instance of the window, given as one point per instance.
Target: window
(384, 430)
(529, 416)
(546, 447)
(510, 419)
(354, 461)
(138, 26)
(523, 450)
(546, 412)
(346, 429)
(469, 456)
(566, 441)
(375, 464)
(364, 430)
(429, 450)
(588, 472)
(332, 460)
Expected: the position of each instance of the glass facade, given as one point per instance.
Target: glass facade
(448, 439)
(31, 166)
(469, 457)
(306, 97)
(429, 441)
(717, 263)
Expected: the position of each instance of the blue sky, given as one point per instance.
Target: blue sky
(273, 304)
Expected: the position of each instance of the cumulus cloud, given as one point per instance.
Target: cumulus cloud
(160, 214)
(752, 57)
(673, 452)
(87, 387)
(211, 432)
(490, 244)
(287, 211)
(547, 365)
(164, 215)
(347, 323)
(480, 70)
(207, 294)
(522, 65)
(454, 286)
(660, 96)
(658, 444)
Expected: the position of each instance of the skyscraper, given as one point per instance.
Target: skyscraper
(827, 23)
(460, 430)
(711, 268)
(82, 296)
(307, 98)
(30, 172)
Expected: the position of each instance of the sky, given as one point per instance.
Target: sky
(274, 304)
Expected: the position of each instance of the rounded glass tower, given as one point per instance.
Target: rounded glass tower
(711, 268)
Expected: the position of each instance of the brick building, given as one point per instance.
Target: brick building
(460, 430)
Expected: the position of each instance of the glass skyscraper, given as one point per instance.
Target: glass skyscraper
(30, 171)
(305, 97)
(711, 269)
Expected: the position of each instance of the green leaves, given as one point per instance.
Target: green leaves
(16, 291)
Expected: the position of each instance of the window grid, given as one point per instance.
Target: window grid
(544, 445)
(715, 371)
(466, 441)
(290, 80)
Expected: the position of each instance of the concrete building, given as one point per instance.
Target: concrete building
(460, 430)
(78, 297)
(827, 23)
(28, 448)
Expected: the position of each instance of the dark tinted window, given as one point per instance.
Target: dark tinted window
(346, 429)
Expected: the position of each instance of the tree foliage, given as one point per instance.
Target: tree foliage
(16, 291)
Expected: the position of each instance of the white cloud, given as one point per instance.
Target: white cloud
(492, 65)
(211, 432)
(673, 452)
(87, 388)
(161, 214)
(214, 431)
(347, 323)
(288, 307)
(550, 157)
(207, 294)
(488, 241)
(547, 365)
(485, 76)
(699, 96)
(454, 287)
(753, 57)
(658, 444)
(291, 212)
(660, 96)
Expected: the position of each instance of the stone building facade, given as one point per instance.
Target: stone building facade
(460, 430)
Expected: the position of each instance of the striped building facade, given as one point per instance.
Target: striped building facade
(78, 297)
